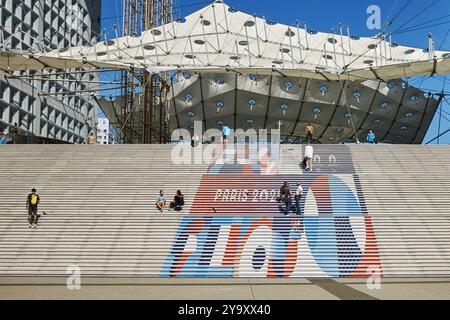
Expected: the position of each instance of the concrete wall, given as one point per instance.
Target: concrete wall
(32, 25)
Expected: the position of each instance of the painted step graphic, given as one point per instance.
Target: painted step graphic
(267, 160)
(235, 194)
(273, 247)
(237, 227)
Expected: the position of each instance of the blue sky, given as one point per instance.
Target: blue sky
(323, 15)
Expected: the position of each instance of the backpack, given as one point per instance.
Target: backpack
(304, 162)
(34, 199)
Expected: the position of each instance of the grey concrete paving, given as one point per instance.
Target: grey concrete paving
(340, 290)
(51, 288)
(408, 291)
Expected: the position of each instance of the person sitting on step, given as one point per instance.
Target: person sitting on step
(161, 201)
(178, 201)
(211, 141)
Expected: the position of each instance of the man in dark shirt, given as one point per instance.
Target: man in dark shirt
(287, 201)
(283, 188)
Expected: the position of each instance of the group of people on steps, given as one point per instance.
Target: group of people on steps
(286, 195)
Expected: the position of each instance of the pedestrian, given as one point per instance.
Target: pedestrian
(309, 153)
(211, 140)
(32, 207)
(92, 139)
(309, 131)
(225, 134)
(178, 201)
(195, 141)
(371, 137)
(284, 187)
(161, 200)
(287, 201)
(298, 196)
(15, 132)
(2, 137)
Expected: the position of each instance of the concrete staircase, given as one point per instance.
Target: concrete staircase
(380, 209)
(78, 179)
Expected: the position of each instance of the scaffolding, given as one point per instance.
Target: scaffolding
(144, 111)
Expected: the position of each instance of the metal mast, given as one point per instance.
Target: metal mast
(144, 112)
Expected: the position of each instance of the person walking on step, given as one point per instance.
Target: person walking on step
(92, 139)
(161, 201)
(297, 197)
(284, 187)
(178, 201)
(32, 207)
(225, 134)
(211, 140)
(15, 132)
(287, 201)
(309, 131)
(308, 159)
(371, 137)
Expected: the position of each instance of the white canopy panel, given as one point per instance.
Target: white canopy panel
(218, 38)
(396, 111)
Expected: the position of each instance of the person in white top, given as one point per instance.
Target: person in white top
(309, 153)
(298, 196)
(195, 141)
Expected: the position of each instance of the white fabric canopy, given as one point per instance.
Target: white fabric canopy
(397, 112)
(218, 38)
